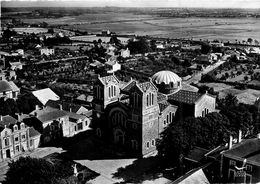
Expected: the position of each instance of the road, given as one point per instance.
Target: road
(197, 77)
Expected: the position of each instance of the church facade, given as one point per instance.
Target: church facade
(132, 115)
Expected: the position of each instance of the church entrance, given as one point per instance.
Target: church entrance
(119, 137)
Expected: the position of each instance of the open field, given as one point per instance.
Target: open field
(154, 25)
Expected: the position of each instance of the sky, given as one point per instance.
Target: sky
(136, 3)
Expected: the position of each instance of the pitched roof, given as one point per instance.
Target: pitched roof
(193, 176)
(13, 86)
(33, 132)
(247, 149)
(65, 106)
(184, 96)
(161, 97)
(107, 79)
(5, 86)
(51, 115)
(144, 86)
(44, 95)
(7, 121)
(163, 105)
(129, 85)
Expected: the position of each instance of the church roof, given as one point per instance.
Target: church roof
(184, 96)
(163, 105)
(165, 77)
(161, 97)
(107, 79)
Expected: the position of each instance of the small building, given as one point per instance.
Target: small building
(241, 162)
(125, 53)
(16, 138)
(112, 66)
(204, 59)
(8, 89)
(46, 51)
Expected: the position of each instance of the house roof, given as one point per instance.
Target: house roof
(194, 176)
(44, 95)
(51, 115)
(163, 105)
(7, 121)
(13, 86)
(33, 132)
(247, 149)
(65, 106)
(5, 86)
(184, 96)
(74, 115)
(197, 154)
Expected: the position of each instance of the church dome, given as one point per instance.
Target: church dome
(167, 81)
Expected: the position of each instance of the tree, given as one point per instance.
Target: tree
(27, 170)
(250, 40)
(141, 46)
(205, 48)
(181, 137)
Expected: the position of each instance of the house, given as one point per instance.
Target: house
(54, 124)
(46, 51)
(44, 95)
(16, 65)
(16, 137)
(8, 89)
(241, 162)
(125, 53)
(137, 112)
(112, 66)
(194, 176)
(204, 59)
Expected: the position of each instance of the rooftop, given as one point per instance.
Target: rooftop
(5, 86)
(7, 121)
(44, 95)
(51, 115)
(247, 149)
(184, 96)
(165, 77)
(33, 132)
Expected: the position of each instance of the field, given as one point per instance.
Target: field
(145, 24)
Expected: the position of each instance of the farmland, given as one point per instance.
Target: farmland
(194, 27)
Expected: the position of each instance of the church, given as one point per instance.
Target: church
(132, 115)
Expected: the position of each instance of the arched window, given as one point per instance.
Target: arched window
(153, 142)
(147, 100)
(167, 118)
(136, 100)
(114, 90)
(147, 144)
(170, 117)
(152, 98)
(109, 92)
(15, 127)
(22, 125)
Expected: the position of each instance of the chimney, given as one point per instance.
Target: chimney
(230, 142)
(70, 109)
(258, 135)
(60, 106)
(37, 107)
(239, 136)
